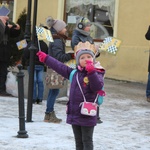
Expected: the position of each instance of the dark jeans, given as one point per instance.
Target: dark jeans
(53, 93)
(38, 82)
(148, 86)
(83, 137)
(3, 76)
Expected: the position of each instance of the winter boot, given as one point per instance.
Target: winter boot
(148, 99)
(47, 117)
(39, 101)
(53, 118)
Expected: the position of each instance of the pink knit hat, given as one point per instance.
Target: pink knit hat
(59, 25)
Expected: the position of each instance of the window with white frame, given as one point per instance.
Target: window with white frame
(99, 12)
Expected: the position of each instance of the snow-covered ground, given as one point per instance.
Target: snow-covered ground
(125, 114)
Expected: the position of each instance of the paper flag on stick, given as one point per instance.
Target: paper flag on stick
(49, 36)
(4, 11)
(22, 44)
(110, 45)
(44, 34)
(40, 33)
(71, 63)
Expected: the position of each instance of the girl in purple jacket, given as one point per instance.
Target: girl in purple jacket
(91, 80)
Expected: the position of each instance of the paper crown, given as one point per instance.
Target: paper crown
(84, 46)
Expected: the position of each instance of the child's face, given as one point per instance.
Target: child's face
(83, 58)
(87, 28)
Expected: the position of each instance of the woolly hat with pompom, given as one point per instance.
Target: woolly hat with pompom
(58, 25)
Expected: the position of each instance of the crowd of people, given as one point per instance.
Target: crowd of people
(86, 82)
(54, 55)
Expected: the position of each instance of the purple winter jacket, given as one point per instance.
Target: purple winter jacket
(96, 82)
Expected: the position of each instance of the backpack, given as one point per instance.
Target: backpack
(100, 97)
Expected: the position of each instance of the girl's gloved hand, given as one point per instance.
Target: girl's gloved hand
(41, 56)
(89, 66)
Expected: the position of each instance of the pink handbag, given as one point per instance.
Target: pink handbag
(89, 108)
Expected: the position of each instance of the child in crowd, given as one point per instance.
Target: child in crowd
(82, 33)
(91, 80)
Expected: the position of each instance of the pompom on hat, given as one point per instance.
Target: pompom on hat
(58, 25)
(84, 48)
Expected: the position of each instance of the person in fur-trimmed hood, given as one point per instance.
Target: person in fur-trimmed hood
(91, 80)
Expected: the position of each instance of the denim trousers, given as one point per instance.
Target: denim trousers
(38, 82)
(148, 86)
(53, 93)
(83, 137)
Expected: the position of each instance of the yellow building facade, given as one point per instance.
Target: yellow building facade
(132, 18)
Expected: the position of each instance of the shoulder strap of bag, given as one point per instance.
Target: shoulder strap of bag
(100, 98)
(82, 91)
(72, 74)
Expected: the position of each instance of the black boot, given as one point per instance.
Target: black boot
(39, 101)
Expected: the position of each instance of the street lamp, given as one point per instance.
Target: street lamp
(32, 49)
(28, 22)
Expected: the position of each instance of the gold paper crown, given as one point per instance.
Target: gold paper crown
(83, 46)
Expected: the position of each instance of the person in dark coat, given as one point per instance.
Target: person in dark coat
(11, 31)
(3, 20)
(147, 36)
(91, 80)
(38, 89)
(57, 50)
(82, 33)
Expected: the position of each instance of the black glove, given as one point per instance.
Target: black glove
(72, 55)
